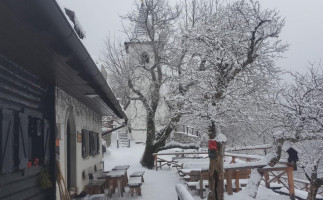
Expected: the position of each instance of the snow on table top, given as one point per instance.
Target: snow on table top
(251, 147)
(116, 173)
(243, 155)
(121, 167)
(256, 164)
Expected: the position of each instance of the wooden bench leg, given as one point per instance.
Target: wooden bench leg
(138, 191)
(111, 187)
(120, 190)
(131, 191)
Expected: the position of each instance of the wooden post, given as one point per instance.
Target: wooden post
(233, 159)
(267, 184)
(156, 163)
(229, 181)
(291, 182)
(237, 180)
(201, 185)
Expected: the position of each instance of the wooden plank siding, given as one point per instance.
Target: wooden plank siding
(23, 94)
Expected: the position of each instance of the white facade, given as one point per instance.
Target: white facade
(136, 112)
(78, 116)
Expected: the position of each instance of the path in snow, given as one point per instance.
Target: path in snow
(158, 185)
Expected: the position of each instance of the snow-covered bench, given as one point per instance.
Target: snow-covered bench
(138, 174)
(182, 193)
(134, 185)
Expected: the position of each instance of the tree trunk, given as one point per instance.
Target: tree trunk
(313, 191)
(216, 176)
(147, 158)
(216, 179)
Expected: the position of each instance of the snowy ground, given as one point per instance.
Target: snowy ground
(160, 185)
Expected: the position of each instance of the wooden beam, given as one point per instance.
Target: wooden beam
(266, 175)
(276, 176)
(233, 160)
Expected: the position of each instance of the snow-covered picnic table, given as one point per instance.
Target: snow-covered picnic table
(117, 178)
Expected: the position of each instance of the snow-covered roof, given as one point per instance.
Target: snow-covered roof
(288, 145)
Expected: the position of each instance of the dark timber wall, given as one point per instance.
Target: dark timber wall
(27, 133)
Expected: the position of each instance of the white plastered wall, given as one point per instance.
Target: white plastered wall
(136, 111)
(84, 118)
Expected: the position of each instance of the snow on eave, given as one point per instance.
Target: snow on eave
(74, 25)
(106, 89)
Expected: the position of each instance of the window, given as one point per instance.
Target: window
(90, 143)
(24, 141)
(144, 58)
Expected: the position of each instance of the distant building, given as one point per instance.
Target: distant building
(140, 49)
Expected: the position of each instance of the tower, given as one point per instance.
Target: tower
(141, 56)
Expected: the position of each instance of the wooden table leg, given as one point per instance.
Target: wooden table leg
(131, 191)
(201, 186)
(120, 188)
(237, 181)
(111, 187)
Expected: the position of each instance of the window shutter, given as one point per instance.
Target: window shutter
(86, 142)
(91, 144)
(83, 144)
(23, 141)
(7, 132)
(95, 141)
(46, 139)
(98, 143)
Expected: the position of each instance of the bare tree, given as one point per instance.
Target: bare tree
(239, 40)
(145, 77)
(311, 161)
(299, 118)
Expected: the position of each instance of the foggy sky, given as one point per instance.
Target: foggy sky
(303, 29)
